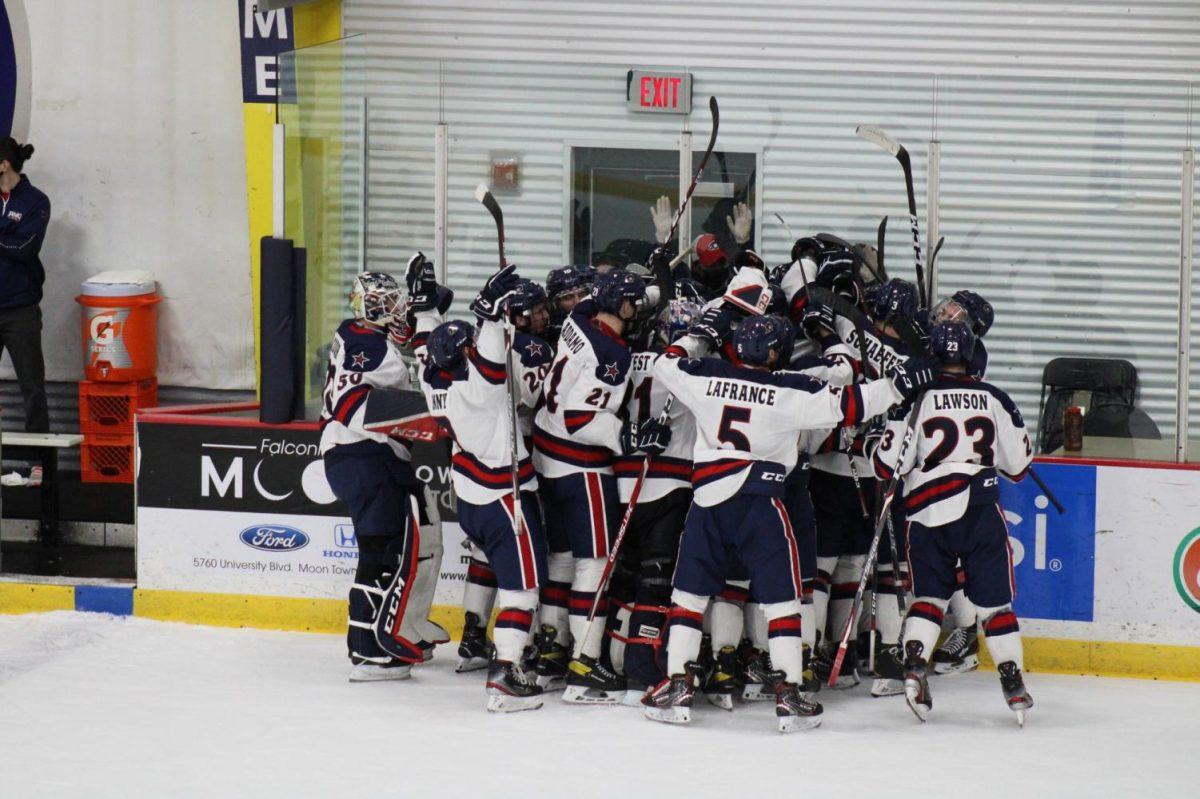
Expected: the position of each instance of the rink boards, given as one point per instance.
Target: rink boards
(237, 526)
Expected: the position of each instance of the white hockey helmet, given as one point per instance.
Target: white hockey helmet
(375, 298)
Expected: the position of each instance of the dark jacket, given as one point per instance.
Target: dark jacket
(23, 220)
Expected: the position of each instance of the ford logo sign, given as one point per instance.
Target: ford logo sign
(274, 538)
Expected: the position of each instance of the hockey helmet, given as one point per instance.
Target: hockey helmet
(446, 343)
(676, 318)
(612, 289)
(375, 297)
(897, 299)
(756, 337)
(952, 342)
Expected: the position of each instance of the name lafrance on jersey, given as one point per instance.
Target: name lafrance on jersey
(876, 352)
(742, 392)
(962, 400)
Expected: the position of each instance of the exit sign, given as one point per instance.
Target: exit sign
(659, 92)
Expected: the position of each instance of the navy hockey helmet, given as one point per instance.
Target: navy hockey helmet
(756, 337)
(526, 297)
(612, 289)
(567, 279)
(980, 310)
(375, 297)
(897, 299)
(952, 342)
(446, 343)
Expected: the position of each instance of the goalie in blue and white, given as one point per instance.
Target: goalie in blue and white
(372, 473)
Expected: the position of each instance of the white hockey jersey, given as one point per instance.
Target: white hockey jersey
(966, 430)
(360, 358)
(533, 364)
(748, 421)
(577, 428)
(472, 404)
(673, 468)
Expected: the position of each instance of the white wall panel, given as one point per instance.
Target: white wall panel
(1061, 126)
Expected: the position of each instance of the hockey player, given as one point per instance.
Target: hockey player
(565, 286)
(657, 522)
(577, 434)
(372, 474)
(747, 422)
(526, 309)
(967, 433)
(959, 652)
(466, 389)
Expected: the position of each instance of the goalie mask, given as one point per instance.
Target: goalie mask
(375, 298)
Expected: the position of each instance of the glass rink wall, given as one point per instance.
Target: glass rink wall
(1066, 203)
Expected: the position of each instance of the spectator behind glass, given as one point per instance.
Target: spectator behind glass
(24, 215)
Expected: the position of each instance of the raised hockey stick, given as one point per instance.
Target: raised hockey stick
(712, 141)
(878, 137)
(880, 235)
(489, 202)
(873, 553)
(665, 416)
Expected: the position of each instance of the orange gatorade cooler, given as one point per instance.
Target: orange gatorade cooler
(119, 326)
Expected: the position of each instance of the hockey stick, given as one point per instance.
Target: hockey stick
(489, 202)
(878, 137)
(933, 268)
(630, 507)
(880, 234)
(712, 141)
(1058, 506)
(664, 417)
(873, 553)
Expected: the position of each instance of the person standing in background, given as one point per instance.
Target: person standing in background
(24, 215)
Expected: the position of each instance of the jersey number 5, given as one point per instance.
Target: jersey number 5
(727, 435)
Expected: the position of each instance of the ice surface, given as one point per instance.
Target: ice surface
(97, 706)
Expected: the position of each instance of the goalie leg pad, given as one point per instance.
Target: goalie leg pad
(395, 631)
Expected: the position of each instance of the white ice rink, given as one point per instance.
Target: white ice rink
(97, 706)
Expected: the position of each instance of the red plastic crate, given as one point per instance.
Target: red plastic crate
(106, 459)
(107, 409)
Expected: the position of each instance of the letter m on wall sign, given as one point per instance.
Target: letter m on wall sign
(264, 36)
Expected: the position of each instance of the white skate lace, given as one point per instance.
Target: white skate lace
(956, 642)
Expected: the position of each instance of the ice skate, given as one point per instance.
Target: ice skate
(510, 688)
(823, 665)
(475, 650)
(721, 683)
(590, 682)
(757, 677)
(365, 671)
(959, 653)
(916, 685)
(890, 672)
(552, 659)
(1013, 686)
(793, 710)
(671, 700)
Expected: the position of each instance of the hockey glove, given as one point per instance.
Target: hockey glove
(818, 319)
(422, 285)
(489, 304)
(650, 437)
(714, 326)
(914, 375)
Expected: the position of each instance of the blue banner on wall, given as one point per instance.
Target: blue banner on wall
(265, 35)
(1054, 555)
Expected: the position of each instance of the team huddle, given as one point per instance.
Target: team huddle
(716, 478)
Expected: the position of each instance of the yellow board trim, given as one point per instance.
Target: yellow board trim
(35, 598)
(1045, 655)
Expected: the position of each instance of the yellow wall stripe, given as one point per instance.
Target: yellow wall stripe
(35, 597)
